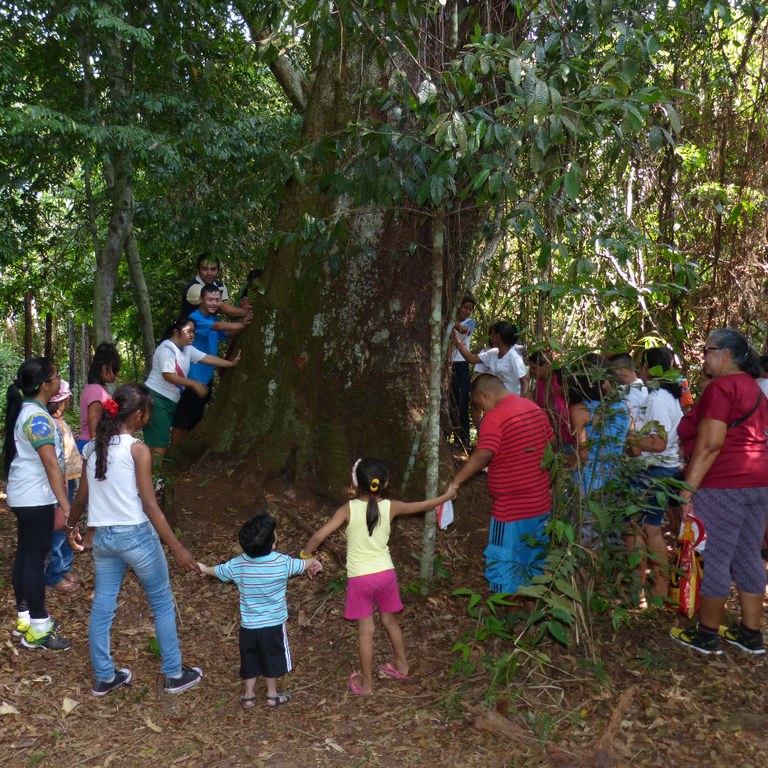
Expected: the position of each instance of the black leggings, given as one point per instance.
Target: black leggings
(28, 576)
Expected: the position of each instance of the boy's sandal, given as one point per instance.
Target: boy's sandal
(247, 702)
(277, 700)
(390, 670)
(355, 688)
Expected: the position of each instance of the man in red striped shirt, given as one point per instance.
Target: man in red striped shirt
(514, 436)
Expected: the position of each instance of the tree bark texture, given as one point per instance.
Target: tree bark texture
(119, 178)
(108, 257)
(142, 302)
(336, 363)
(435, 376)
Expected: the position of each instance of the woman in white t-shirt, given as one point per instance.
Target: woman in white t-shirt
(34, 463)
(655, 441)
(168, 379)
(503, 360)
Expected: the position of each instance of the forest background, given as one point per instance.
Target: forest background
(594, 170)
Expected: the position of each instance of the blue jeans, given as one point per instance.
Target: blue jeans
(115, 548)
(62, 555)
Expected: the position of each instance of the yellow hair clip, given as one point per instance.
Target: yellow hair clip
(374, 486)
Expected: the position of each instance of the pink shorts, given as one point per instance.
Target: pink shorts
(379, 589)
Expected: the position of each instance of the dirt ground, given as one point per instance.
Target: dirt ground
(644, 702)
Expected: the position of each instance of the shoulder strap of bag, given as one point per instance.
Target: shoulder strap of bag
(736, 423)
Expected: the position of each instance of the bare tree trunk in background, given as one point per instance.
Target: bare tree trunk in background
(436, 359)
(85, 353)
(71, 354)
(119, 178)
(108, 258)
(28, 320)
(141, 294)
(48, 346)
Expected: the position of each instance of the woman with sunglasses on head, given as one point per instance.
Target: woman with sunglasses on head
(168, 379)
(34, 457)
(723, 437)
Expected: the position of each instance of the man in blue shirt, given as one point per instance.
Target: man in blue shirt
(209, 331)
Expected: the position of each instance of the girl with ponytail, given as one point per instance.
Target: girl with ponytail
(34, 463)
(371, 574)
(117, 488)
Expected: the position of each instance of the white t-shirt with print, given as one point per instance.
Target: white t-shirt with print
(168, 358)
(28, 484)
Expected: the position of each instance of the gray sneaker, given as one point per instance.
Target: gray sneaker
(122, 677)
(189, 676)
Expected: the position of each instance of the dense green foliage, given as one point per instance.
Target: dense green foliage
(600, 166)
(194, 117)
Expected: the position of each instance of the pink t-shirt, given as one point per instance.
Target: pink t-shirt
(550, 397)
(743, 459)
(92, 393)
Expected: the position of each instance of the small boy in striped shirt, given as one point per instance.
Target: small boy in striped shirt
(261, 576)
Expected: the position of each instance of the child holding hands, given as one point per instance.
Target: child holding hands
(261, 576)
(372, 580)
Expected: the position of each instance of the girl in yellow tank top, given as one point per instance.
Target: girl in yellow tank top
(372, 581)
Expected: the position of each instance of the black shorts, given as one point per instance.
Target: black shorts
(190, 409)
(264, 652)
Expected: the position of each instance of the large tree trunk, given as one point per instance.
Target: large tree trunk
(336, 364)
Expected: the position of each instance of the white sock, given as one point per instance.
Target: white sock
(23, 616)
(41, 625)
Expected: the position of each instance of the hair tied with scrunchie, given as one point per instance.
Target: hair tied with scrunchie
(354, 473)
(111, 407)
(374, 486)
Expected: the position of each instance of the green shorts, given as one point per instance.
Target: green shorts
(157, 433)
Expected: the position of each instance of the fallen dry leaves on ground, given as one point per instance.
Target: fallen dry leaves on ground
(644, 702)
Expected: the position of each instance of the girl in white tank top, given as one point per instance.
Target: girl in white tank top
(116, 485)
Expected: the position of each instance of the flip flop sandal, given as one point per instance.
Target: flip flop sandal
(280, 698)
(390, 670)
(247, 702)
(355, 688)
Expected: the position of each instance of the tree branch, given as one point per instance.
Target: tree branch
(294, 84)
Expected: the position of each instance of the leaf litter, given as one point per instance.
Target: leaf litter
(676, 711)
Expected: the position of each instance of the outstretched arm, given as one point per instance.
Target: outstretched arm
(340, 516)
(230, 310)
(470, 357)
(220, 362)
(414, 507)
(480, 458)
(142, 460)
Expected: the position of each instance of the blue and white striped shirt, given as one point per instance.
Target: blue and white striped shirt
(262, 582)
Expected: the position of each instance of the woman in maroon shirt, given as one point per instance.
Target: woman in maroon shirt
(724, 436)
